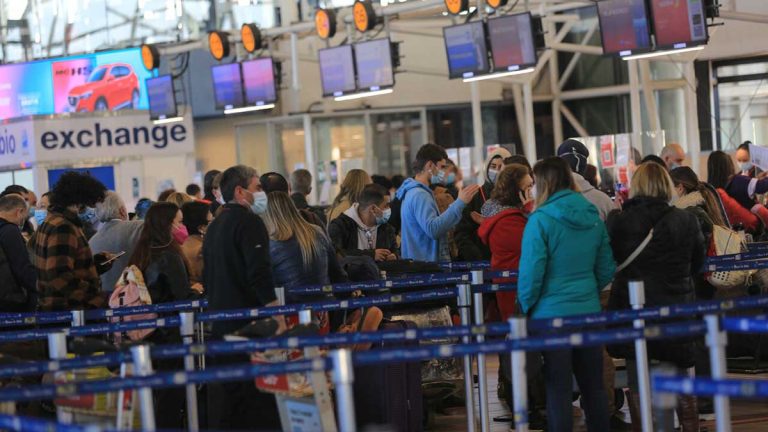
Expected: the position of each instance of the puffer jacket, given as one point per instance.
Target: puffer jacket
(666, 266)
(566, 258)
(503, 233)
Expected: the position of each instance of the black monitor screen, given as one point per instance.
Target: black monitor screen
(466, 50)
(227, 86)
(679, 23)
(337, 70)
(624, 26)
(259, 81)
(374, 64)
(512, 46)
(162, 99)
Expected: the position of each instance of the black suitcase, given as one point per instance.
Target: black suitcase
(390, 395)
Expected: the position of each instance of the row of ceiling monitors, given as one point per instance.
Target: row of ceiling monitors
(506, 44)
(630, 27)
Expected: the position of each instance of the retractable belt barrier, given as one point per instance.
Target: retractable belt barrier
(402, 354)
(31, 424)
(735, 388)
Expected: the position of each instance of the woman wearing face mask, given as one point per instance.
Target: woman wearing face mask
(363, 228)
(672, 255)
(737, 192)
(159, 256)
(197, 216)
(301, 253)
(470, 247)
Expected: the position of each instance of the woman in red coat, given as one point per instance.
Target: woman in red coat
(502, 229)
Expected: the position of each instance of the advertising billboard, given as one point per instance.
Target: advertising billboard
(105, 81)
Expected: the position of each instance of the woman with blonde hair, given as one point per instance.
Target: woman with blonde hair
(301, 253)
(663, 247)
(179, 198)
(564, 263)
(351, 188)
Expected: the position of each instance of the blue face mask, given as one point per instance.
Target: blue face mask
(384, 218)
(88, 215)
(439, 178)
(259, 205)
(40, 215)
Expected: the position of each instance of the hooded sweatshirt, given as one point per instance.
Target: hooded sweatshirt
(469, 244)
(424, 230)
(600, 200)
(566, 258)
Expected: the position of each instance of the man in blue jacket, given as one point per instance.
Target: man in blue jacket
(424, 230)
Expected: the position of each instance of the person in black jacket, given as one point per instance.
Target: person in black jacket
(666, 265)
(238, 274)
(301, 187)
(18, 278)
(469, 245)
(363, 228)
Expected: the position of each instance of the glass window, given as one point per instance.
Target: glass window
(97, 75)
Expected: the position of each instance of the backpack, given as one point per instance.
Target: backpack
(395, 219)
(130, 290)
(13, 296)
(727, 242)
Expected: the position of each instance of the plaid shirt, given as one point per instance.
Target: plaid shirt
(67, 277)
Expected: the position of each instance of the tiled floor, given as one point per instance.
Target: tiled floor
(747, 416)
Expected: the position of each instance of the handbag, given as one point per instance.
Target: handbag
(727, 242)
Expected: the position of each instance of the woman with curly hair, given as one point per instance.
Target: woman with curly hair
(68, 273)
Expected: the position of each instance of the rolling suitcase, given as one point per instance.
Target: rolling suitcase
(390, 395)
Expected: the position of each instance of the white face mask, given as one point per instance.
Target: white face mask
(745, 166)
(492, 174)
(259, 205)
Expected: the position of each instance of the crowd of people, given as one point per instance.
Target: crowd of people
(241, 235)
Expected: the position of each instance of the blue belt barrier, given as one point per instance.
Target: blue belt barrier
(465, 265)
(90, 330)
(735, 388)
(495, 274)
(244, 372)
(331, 305)
(737, 265)
(407, 282)
(746, 325)
(744, 256)
(31, 424)
(493, 288)
(757, 246)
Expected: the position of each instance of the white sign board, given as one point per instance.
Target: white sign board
(133, 135)
(16, 145)
(759, 156)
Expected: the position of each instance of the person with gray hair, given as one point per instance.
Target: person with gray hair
(116, 235)
(301, 187)
(238, 274)
(18, 277)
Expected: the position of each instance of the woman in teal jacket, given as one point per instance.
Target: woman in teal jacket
(566, 260)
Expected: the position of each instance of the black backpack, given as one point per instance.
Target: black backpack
(395, 219)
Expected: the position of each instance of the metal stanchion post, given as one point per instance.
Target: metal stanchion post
(305, 316)
(321, 391)
(343, 378)
(637, 300)
(280, 294)
(664, 404)
(518, 330)
(187, 336)
(465, 293)
(57, 349)
(482, 373)
(78, 318)
(142, 364)
(716, 341)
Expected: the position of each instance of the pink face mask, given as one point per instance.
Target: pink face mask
(180, 234)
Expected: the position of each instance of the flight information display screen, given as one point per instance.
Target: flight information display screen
(162, 99)
(624, 26)
(466, 50)
(337, 70)
(374, 64)
(227, 86)
(679, 23)
(259, 81)
(511, 38)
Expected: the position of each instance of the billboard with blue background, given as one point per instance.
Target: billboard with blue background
(104, 81)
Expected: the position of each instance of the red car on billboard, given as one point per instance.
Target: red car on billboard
(109, 87)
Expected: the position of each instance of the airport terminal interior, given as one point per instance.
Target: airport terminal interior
(382, 215)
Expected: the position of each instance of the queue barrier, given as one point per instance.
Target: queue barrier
(31, 424)
(734, 388)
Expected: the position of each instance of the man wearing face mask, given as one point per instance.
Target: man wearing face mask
(469, 245)
(423, 229)
(577, 155)
(238, 274)
(673, 156)
(116, 234)
(363, 228)
(18, 279)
